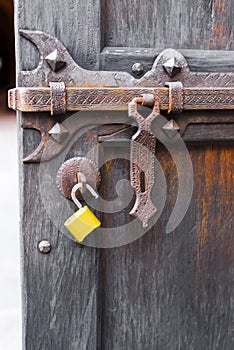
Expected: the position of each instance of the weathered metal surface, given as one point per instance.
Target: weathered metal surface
(49, 147)
(44, 124)
(81, 99)
(169, 64)
(173, 66)
(171, 126)
(58, 100)
(138, 69)
(58, 132)
(142, 174)
(176, 96)
(74, 75)
(54, 62)
(102, 90)
(67, 175)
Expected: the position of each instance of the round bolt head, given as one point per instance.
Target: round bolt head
(44, 247)
(137, 68)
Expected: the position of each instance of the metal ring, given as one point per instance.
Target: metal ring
(176, 96)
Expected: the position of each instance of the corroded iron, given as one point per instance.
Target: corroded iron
(54, 62)
(173, 66)
(142, 175)
(171, 125)
(58, 132)
(83, 99)
(59, 85)
(106, 90)
(58, 98)
(73, 171)
(176, 96)
(74, 75)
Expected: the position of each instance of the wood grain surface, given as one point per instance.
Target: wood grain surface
(185, 24)
(175, 291)
(60, 290)
(164, 291)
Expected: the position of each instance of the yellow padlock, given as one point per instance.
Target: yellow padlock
(83, 221)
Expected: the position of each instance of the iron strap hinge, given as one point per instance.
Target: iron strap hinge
(59, 85)
(43, 90)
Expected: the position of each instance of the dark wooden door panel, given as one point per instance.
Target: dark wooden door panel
(163, 291)
(200, 25)
(60, 290)
(138, 30)
(174, 291)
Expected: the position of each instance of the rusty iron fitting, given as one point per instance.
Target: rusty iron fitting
(58, 98)
(176, 96)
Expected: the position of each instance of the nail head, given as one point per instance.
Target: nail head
(44, 247)
(137, 68)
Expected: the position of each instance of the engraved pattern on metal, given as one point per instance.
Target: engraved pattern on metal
(142, 162)
(108, 90)
(58, 98)
(74, 75)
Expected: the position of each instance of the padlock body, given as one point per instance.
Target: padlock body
(81, 223)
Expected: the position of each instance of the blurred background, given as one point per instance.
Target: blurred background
(10, 310)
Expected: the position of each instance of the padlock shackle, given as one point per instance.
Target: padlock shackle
(76, 188)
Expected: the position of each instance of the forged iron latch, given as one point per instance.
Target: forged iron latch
(143, 146)
(58, 98)
(59, 85)
(104, 90)
(70, 99)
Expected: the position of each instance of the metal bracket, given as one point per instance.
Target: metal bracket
(59, 84)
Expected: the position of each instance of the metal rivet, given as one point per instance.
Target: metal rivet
(44, 247)
(54, 61)
(171, 125)
(58, 132)
(172, 67)
(137, 68)
(170, 128)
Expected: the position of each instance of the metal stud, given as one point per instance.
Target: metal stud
(54, 62)
(170, 128)
(58, 132)
(171, 125)
(172, 67)
(44, 247)
(137, 68)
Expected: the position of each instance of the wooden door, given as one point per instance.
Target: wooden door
(162, 291)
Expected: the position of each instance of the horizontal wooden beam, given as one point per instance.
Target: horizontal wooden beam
(198, 60)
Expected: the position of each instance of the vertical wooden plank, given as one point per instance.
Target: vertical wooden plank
(175, 291)
(59, 289)
(161, 24)
(76, 23)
